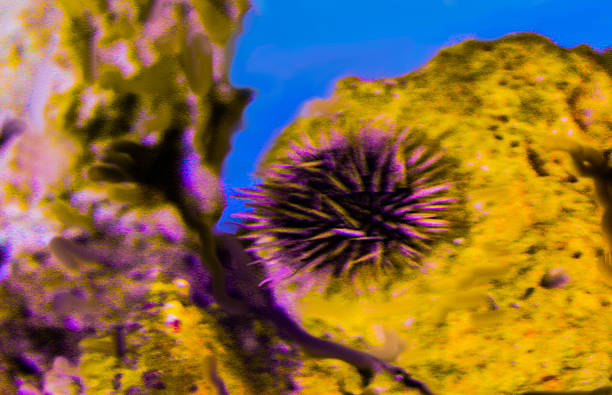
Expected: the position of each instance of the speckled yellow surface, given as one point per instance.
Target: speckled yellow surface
(492, 104)
(180, 352)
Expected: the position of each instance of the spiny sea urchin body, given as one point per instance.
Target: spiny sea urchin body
(346, 203)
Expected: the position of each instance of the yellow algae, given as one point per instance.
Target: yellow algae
(218, 25)
(69, 216)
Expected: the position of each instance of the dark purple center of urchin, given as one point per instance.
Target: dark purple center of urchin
(349, 204)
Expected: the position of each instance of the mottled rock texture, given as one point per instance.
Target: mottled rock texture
(470, 323)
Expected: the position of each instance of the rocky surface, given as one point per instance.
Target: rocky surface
(478, 320)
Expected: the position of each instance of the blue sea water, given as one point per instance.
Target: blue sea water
(294, 51)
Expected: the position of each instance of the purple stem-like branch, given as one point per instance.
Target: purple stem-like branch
(256, 302)
(262, 305)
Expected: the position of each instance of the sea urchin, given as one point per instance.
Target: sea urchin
(348, 201)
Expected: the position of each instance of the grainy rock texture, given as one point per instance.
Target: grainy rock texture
(477, 319)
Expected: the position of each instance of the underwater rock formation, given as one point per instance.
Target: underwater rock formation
(116, 282)
(494, 106)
